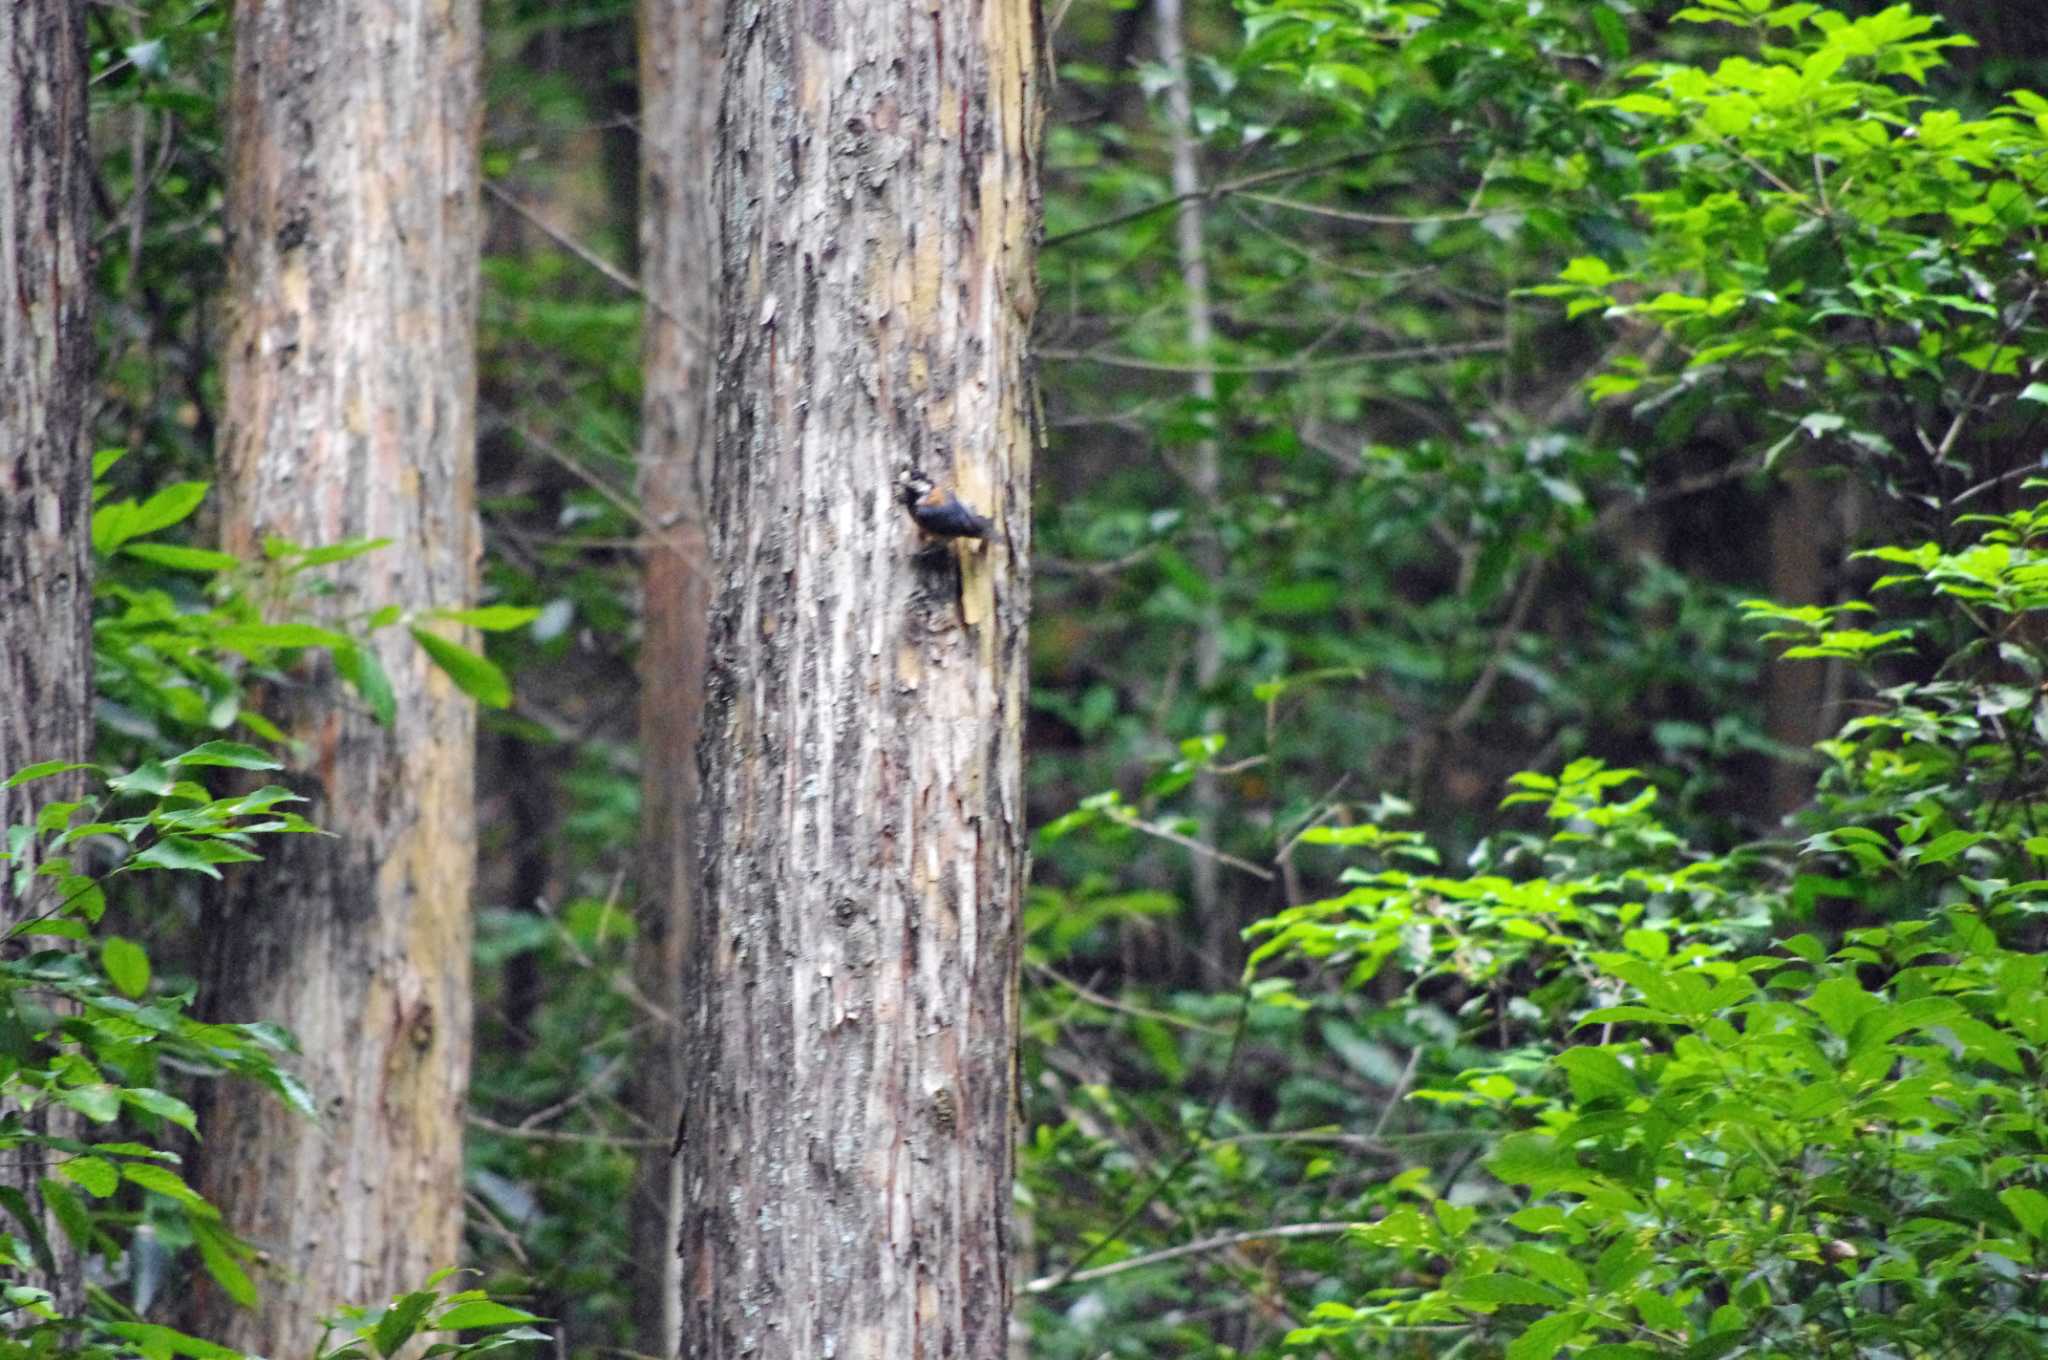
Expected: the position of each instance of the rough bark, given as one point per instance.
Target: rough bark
(45, 459)
(350, 392)
(847, 1147)
(679, 46)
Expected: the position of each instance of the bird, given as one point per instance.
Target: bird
(938, 511)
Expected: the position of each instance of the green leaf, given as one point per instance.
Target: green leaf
(150, 777)
(1493, 1291)
(17, 1204)
(232, 754)
(337, 552)
(164, 1181)
(254, 638)
(2029, 1207)
(1543, 1337)
(402, 1319)
(44, 770)
(363, 669)
(162, 1104)
(1596, 1074)
(69, 1211)
(98, 1101)
(481, 1313)
(98, 1175)
(494, 618)
(179, 558)
(152, 1339)
(126, 964)
(473, 675)
(176, 852)
(113, 525)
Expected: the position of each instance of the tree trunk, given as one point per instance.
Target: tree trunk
(847, 1148)
(45, 459)
(679, 42)
(350, 392)
(1217, 919)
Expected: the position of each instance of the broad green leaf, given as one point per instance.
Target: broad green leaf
(232, 754)
(480, 1313)
(96, 1174)
(402, 1319)
(179, 558)
(126, 964)
(2029, 1207)
(494, 618)
(44, 770)
(474, 675)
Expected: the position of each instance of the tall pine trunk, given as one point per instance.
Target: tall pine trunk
(847, 1139)
(350, 391)
(679, 43)
(45, 458)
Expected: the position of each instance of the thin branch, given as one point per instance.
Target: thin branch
(1400, 1090)
(574, 1098)
(1108, 1003)
(1179, 1163)
(1047, 1283)
(1374, 219)
(1244, 182)
(1165, 833)
(1489, 675)
(477, 1121)
(1409, 354)
(499, 1228)
(612, 272)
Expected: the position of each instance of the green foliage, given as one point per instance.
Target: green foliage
(1783, 1100)
(100, 1036)
(385, 1332)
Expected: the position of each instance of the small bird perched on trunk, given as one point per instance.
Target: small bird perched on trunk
(938, 511)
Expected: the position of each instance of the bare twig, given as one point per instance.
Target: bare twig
(477, 1121)
(1167, 833)
(488, 1216)
(1504, 638)
(1373, 219)
(1108, 1003)
(1407, 354)
(1046, 1283)
(612, 272)
(1244, 182)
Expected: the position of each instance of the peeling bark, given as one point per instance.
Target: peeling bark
(848, 1129)
(350, 392)
(679, 44)
(46, 683)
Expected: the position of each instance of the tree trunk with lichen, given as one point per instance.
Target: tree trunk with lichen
(847, 1135)
(45, 468)
(350, 392)
(679, 42)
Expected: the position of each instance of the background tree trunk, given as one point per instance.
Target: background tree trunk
(45, 459)
(1217, 921)
(679, 43)
(350, 393)
(848, 1128)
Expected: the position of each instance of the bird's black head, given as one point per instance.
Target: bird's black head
(912, 486)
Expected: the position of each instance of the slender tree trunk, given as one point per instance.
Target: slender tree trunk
(350, 394)
(679, 44)
(848, 1127)
(1801, 537)
(1218, 924)
(45, 459)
